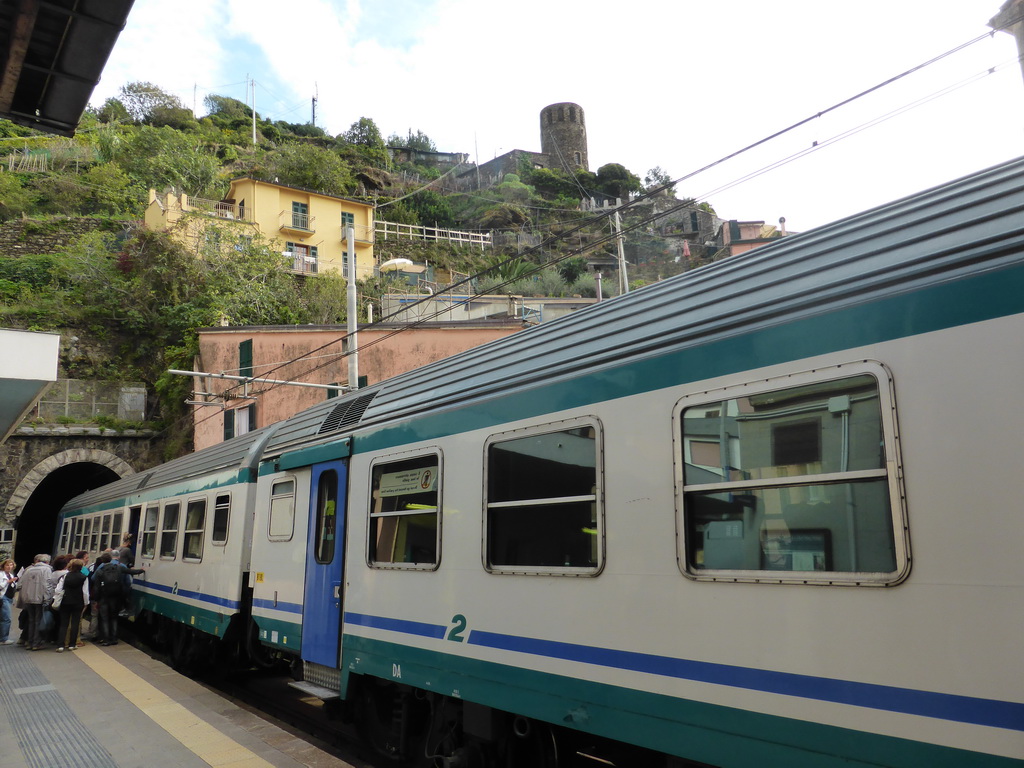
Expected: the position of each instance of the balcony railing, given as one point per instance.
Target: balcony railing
(302, 262)
(362, 233)
(216, 208)
(297, 222)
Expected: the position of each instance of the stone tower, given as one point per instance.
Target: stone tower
(563, 136)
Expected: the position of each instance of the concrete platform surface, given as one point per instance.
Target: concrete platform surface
(115, 707)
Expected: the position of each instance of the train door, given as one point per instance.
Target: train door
(325, 564)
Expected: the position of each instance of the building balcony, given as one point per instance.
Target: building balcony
(301, 223)
(301, 262)
(362, 233)
(219, 209)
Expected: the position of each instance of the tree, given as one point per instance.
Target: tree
(302, 129)
(572, 269)
(614, 180)
(658, 178)
(146, 102)
(311, 167)
(160, 157)
(113, 111)
(226, 108)
(432, 209)
(15, 199)
(418, 141)
(365, 132)
(552, 183)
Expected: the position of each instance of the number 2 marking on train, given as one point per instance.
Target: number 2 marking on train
(459, 626)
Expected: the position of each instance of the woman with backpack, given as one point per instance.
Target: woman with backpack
(74, 596)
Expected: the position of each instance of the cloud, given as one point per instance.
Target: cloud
(174, 46)
(662, 82)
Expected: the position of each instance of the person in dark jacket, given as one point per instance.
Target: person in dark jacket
(126, 556)
(76, 596)
(110, 580)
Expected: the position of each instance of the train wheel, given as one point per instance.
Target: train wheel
(391, 721)
(532, 743)
(181, 649)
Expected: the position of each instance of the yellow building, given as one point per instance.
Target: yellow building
(308, 226)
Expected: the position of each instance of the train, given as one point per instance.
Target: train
(759, 514)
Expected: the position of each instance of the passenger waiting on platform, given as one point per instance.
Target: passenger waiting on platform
(90, 613)
(125, 554)
(93, 632)
(8, 584)
(84, 557)
(110, 583)
(126, 557)
(50, 619)
(35, 595)
(74, 591)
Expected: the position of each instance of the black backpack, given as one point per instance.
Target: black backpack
(109, 580)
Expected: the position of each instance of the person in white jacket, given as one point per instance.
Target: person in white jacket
(8, 583)
(36, 593)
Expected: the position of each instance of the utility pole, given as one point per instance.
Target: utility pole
(623, 279)
(316, 93)
(254, 111)
(352, 343)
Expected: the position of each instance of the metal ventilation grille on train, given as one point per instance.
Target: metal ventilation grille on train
(346, 414)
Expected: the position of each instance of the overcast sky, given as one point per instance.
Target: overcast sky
(672, 83)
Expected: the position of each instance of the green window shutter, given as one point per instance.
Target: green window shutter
(229, 424)
(245, 358)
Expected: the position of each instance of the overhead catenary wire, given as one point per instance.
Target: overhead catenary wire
(647, 195)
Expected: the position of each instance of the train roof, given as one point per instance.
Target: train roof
(239, 454)
(969, 225)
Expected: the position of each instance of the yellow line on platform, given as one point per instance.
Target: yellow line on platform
(204, 740)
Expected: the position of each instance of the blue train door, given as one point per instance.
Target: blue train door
(325, 562)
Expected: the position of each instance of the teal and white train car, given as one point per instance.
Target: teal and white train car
(192, 524)
(755, 515)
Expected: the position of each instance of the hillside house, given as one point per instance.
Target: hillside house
(308, 226)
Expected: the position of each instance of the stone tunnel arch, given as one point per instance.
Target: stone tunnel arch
(32, 508)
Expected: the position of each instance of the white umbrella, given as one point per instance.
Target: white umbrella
(396, 264)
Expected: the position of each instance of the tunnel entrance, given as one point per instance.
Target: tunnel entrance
(37, 523)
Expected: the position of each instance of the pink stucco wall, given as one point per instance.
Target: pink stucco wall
(381, 356)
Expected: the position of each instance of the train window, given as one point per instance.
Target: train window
(116, 531)
(221, 515)
(195, 526)
(543, 504)
(282, 510)
(79, 523)
(65, 536)
(169, 531)
(404, 512)
(148, 548)
(105, 533)
(326, 516)
(792, 480)
(93, 526)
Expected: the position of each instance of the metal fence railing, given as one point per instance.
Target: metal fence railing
(84, 399)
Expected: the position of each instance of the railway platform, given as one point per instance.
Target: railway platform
(115, 707)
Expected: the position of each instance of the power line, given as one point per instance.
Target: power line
(554, 239)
